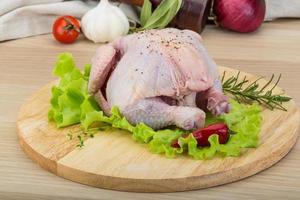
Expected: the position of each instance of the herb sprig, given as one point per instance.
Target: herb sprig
(81, 135)
(253, 92)
(160, 17)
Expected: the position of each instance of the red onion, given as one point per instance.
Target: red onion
(240, 15)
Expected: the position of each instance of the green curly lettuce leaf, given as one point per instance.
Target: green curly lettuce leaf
(245, 120)
(70, 93)
(71, 104)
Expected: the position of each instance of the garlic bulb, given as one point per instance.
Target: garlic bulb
(104, 23)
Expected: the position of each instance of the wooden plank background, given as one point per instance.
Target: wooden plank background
(26, 64)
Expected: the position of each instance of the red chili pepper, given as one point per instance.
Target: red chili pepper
(202, 135)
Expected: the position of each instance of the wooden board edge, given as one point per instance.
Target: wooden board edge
(159, 186)
(46, 163)
(177, 184)
(149, 185)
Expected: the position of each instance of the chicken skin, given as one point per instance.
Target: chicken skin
(158, 77)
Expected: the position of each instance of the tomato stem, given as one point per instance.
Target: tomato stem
(70, 26)
(231, 132)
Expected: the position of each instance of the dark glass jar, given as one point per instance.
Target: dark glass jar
(192, 15)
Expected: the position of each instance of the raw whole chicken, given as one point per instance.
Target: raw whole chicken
(158, 77)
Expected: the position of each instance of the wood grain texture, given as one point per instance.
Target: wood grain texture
(113, 160)
(26, 65)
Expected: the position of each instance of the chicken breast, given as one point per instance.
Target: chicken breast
(158, 77)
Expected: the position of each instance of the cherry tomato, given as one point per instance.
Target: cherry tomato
(66, 29)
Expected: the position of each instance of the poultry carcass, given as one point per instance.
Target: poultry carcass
(158, 77)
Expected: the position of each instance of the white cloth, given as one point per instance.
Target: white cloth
(282, 8)
(23, 18)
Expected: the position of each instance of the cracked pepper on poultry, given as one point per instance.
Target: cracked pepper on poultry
(158, 77)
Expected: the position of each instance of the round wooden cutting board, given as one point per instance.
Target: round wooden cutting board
(113, 160)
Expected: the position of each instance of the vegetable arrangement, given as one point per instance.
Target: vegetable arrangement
(106, 22)
(71, 104)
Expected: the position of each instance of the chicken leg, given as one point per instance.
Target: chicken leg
(157, 114)
(103, 62)
(213, 100)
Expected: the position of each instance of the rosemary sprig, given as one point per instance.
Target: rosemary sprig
(254, 92)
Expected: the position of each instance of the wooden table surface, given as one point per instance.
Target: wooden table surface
(26, 64)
